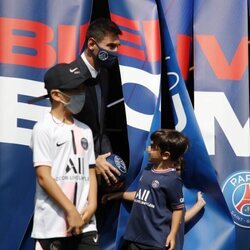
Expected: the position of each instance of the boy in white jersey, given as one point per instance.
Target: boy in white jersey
(64, 161)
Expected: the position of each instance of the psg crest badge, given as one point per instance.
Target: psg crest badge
(236, 190)
(84, 143)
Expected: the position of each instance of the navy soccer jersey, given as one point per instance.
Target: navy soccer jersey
(158, 194)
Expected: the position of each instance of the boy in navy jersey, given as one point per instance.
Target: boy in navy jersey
(64, 161)
(158, 204)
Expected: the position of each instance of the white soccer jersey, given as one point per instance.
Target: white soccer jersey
(69, 151)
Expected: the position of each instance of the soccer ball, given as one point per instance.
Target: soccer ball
(117, 162)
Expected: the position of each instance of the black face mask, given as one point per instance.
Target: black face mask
(106, 58)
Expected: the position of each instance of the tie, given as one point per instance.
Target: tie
(99, 99)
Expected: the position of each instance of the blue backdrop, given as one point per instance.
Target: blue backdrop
(200, 43)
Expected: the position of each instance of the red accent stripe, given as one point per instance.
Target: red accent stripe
(179, 206)
(83, 31)
(183, 53)
(66, 43)
(127, 36)
(128, 23)
(132, 52)
(151, 30)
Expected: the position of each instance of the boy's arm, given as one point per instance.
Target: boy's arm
(176, 219)
(88, 211)
(195, 209)
(49, 185)
(127, 196)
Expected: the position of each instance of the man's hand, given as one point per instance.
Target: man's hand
(104, 168)
(75, 222)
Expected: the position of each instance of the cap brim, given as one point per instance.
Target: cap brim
(37, 99)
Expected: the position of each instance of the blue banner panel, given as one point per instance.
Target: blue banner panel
(34, 35)
(140, 60)
(179, 16)
(199, 173)
(222, 101)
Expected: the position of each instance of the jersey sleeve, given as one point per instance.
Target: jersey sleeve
(41, 146)
(175, 194)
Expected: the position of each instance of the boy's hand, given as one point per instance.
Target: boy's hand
(75, 222)
(87, 214)
(200, 200)
(104, 168)
(170, 242)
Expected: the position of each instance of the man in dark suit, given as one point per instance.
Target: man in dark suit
(101, 44)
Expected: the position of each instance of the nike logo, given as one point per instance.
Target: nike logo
(60, 144)
(73, 70)
(95, 239)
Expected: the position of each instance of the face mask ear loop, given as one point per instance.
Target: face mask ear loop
(65, 103)
(96, 43)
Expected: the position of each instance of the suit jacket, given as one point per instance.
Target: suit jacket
(90, 114)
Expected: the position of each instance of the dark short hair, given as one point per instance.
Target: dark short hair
(101, 27)
(172, 141)
(179, 164)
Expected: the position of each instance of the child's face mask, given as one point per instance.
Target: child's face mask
(75, 103)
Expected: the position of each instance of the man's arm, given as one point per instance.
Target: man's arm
(49, 185)
(89, 211)
(176, 219)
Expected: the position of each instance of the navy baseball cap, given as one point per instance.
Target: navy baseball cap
(63, 76)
